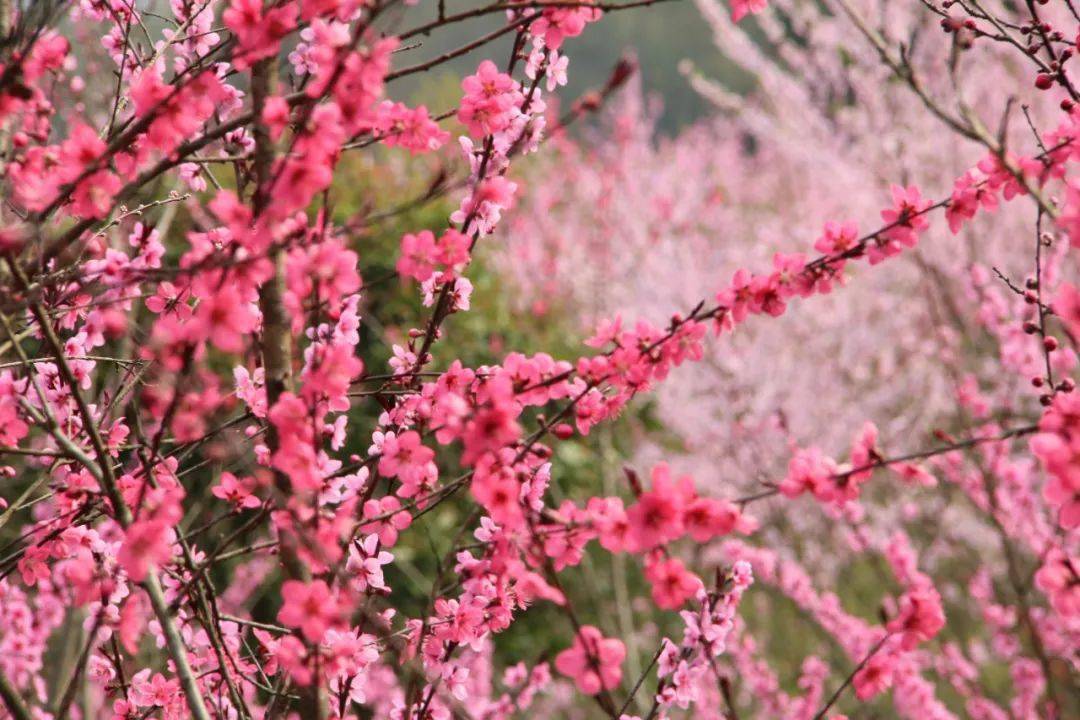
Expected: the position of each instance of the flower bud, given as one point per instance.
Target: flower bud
(12, 239)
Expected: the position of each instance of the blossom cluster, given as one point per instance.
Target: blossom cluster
(217, 494)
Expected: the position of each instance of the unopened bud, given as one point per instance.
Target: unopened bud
(12, 239)
(634, 480)
(589, 102)
(622, 71)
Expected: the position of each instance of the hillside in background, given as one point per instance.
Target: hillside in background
(661, 38)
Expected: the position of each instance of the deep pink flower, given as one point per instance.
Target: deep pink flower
(497, 490)
(921, 616)
(146, 544)
(906, 218)
(259, 32)
(875, 677)
(706, 518)
(657, 517)
(418, 255)
(1059, 578)
(492, 100)
(742, 8)
(311, 608)
(593, 661)
(408, 459)
(672, 583)
(393, 519)
(237, 491)
(837, 238)
(810, 470)
(224, 318)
